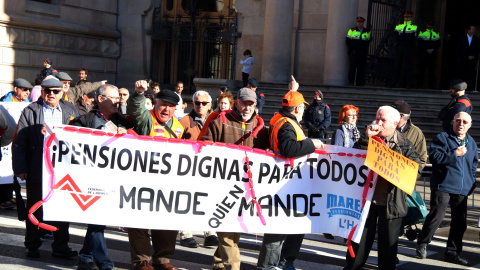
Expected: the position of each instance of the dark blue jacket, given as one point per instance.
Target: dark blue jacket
(317, 115)
(450, 173)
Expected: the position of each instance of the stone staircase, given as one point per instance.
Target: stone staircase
(424, 103)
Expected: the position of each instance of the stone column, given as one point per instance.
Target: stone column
(277, 41)
(341, 17)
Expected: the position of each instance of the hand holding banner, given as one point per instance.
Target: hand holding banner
(393, 166)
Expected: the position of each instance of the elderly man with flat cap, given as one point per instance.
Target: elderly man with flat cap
(459, 103)
(237, 127)
(410, 131)
(73, 94)
(27, 153)
(20, 93)
(157, 122)
(358, 39)
(454, 157)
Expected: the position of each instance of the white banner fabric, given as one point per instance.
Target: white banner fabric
(142, 183)
(6, 173)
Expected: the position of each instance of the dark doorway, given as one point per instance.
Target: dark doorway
(458, 14)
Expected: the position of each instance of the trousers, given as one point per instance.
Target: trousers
(388, 232)
(163, 242)
(458, 224)
(94, 247)
(227, 254)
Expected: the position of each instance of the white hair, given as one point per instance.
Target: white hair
(392, 112)
(202, 93)
(468, 116)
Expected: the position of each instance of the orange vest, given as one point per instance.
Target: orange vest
(276, 123)
(159, 130)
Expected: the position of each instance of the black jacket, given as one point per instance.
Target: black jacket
(464, 50)
(456, 105)
(27, 147)
(317, 115)
(397, 206)
(93, 119)
(287, 140)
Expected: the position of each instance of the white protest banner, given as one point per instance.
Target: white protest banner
(145, 182)
(6, 173)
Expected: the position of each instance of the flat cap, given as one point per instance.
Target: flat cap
(51, 82)
(168, 96)
(253, 82)
(22, 83)
(63, 76)
(402, 106)
(458, 85)
(246, 94)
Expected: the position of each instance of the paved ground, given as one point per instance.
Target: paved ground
(317, 252)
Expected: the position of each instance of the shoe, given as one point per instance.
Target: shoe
(6, 205)
(456, 259)
(164, 266)
(189, 242)
(422, 251)
(86, 266)
(66, 254)
(328, 236)
(33, 253)
(144, 265)
(211, 241)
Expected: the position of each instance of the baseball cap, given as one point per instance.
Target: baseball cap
(22, 83)
(63, 76)
(169, 96)
(246, 94)
(402, 106)
(293, 98)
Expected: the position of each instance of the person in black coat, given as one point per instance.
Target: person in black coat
(468, 49)
(317, 117)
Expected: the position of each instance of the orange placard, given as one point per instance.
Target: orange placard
(394, 167)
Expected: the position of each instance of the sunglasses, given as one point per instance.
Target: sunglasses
(48, 91)
(204, 103)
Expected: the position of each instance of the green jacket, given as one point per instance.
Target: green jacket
(140, 116)
(415, 135)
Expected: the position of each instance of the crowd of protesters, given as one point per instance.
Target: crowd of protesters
(152, 111)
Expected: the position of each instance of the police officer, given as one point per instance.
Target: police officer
(428, 43)
(357, 41)
(405, 44)
(317, 117)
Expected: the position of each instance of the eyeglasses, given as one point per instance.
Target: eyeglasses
(352, 115)
(48, 91)
(111, 98)
(204, 103)
(25, 89)
(66, 82)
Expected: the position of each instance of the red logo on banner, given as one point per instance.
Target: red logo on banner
(84, 201)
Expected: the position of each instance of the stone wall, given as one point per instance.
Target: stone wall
(72, 33)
